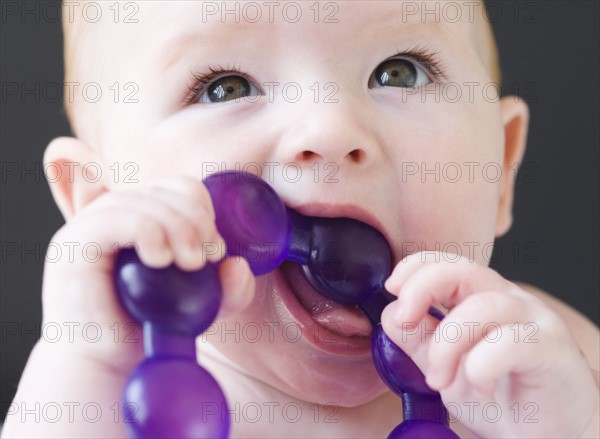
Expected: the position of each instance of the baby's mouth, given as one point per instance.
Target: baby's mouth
(347, 321)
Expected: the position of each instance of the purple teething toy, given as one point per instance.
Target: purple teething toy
(169, 395)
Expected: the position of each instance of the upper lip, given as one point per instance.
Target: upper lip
(329, 210)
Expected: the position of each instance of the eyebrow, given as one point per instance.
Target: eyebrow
(178, 44)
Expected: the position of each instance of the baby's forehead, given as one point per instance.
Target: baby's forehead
(222, 23)
(443, 18)
(459, 21)
(266, 25)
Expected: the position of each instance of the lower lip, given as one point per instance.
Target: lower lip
(313, 332)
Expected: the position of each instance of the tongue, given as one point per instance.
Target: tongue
(344, 320)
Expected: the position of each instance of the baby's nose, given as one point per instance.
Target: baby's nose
(328, 132)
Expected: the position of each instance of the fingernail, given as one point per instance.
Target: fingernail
(391, 284)
(219, 254)
(164, 257)
(402, 314)
(217, 251)
(245, 262)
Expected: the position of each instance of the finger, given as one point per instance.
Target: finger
(199, 216)
(445, 283)
(532, 344)
(238, 285)
(499, 355)
(466, 325)
(413, 337)
(407, 267)
(134, 227)
(190, 187)
(184, 240)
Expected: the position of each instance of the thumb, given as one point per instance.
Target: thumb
(238, 283)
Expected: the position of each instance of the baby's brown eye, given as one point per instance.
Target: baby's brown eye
(226, 89)
(399, 73)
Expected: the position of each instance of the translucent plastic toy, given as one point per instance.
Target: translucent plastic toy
(169, 395)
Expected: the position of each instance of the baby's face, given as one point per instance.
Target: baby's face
(333, 118)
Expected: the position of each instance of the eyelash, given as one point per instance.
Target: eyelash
(427, 58)
(201, 81)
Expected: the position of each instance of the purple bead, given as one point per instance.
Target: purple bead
(179, 301)
(348, 260)
(252, 219)
(395, 367)
(422, 430)
(174, 398)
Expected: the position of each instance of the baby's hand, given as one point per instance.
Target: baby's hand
(169, 222)
(505, 364)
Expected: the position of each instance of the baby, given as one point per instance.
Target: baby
(386, 112)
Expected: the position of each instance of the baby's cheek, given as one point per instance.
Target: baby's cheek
(448, 183)
(448, 223)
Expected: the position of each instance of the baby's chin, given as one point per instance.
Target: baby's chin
(277, 341)
(292, 371)
(338, 386)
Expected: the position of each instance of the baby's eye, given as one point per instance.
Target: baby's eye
(398, 72)
(227, 88)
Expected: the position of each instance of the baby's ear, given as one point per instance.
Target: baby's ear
(72, 183)
(515, 119)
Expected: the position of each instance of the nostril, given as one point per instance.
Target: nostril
(355, 155)
(308, 155)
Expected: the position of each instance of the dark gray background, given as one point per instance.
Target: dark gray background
(549, 53)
